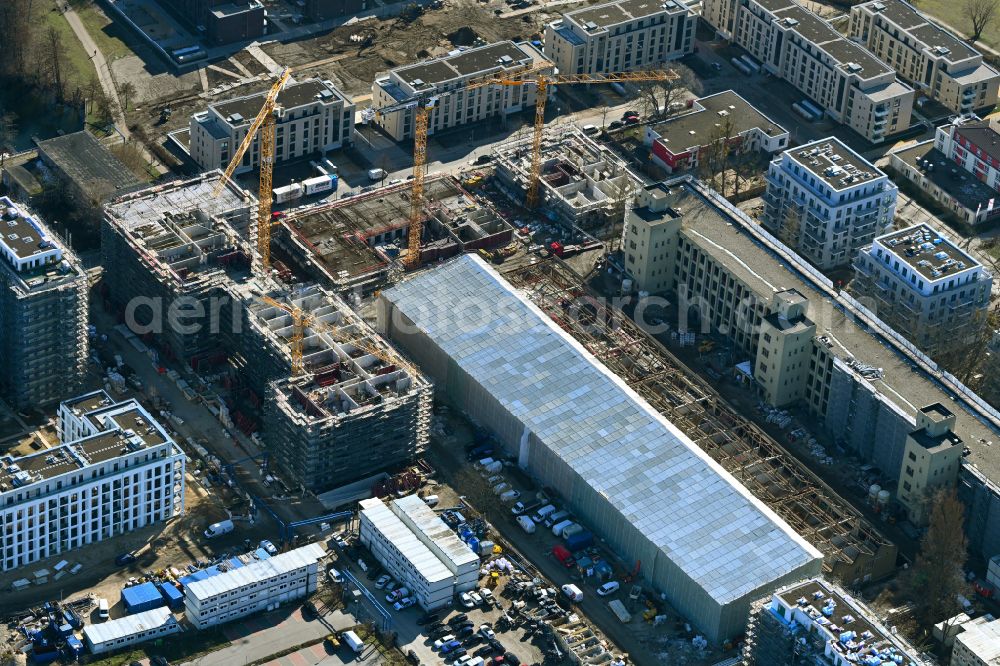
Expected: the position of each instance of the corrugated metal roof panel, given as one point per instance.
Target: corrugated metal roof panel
(128, 625)
(257, 571)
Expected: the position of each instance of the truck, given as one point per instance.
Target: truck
(353, 642)
(618, 608)
(562, 554)
(320, 184)
(376, 174)
(219, 528)
(527, 524)
(287, 193)
(579, 541)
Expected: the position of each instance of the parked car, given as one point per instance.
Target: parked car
(457, 654)
(404, 603)
(335, 576)
(615, 124)
(450, 646)
(487, 596)
(382, 581)
(444, 640)
(439, 632)
(476, 599)
(608, 588)
(428, 618)
(269, 547)
(102, 608)
(466, 631)
(466, 600)
(632, 120)
(630, 114)
(486, 631)
(125, 558)
(458, 619)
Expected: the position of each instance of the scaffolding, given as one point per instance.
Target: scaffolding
(853, 550)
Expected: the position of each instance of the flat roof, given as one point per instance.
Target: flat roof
(130, 625)
(983, 640)
(428, 565)
(293, 95)
(614, 13)
(670, 490)
(918, 25)
(89, 164)
(983, 133)
(965, 188)
(928, 252)
(89, 401)
(21, 233)
(431, 525)
(834, 163)
(903, 382)
(254, 572)
(464, 63)
(696, 127)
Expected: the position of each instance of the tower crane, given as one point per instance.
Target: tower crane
(265, 123)
(536, 75)
(302, 319)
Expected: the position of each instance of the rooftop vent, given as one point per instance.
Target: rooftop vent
(235, 119)
(506, 60)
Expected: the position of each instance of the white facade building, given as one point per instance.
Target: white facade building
(450, 73)
(130, 630)
(827, 202)
(621, 36)
(117, 472)
(407, 559)
(312, 117)
(258, 586)
(456, 556)
(924, 286)
(974, 145)
(978, 643)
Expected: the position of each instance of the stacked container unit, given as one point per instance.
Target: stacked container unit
(141, 598)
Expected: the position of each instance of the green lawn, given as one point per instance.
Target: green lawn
(950, 12)
(79, 69)
(104, 31)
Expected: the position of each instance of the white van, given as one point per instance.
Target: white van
(560, 526)
(376, 174)
(431, 500)
(572, 592)
(543, 513)
(527, 524)
(556, 517)
(102, 608)
(219, 528)
(591, 129)
(353, 641)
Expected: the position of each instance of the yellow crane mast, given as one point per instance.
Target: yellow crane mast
(265, 123)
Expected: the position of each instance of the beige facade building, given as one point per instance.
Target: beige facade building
(650, 238)
(784, 349)
(930, 461)
(934, 60)
(621, 36)
(313, 117)
(841, 77)
(432, 78)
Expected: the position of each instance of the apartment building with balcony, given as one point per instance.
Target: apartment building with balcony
(313, 117)
(847, 81)
(924, 286)
(115, 470)
(437, 79)
(44, 311)
(826, 201)
(931, 58)
(621, 36)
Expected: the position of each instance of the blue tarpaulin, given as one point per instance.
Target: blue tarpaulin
(142, 598)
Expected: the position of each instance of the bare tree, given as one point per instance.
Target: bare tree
(17, 28)
(8, 130)
(980, 14)
(93, 89)
(127, 91)
(656, 97)
(716, 156)
(791, 221)
(937, 577)
(52, 59)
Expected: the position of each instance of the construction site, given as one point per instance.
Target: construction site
(351, 244)
(581, 182)
(183, 255)
(854, 551)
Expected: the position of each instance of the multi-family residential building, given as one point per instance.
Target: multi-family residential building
(115, 470)
(43, 312)
(860, 381)
(925, 287)
(433, 77)
(974, 145)
(843, 78)
(826, 201)
(931, 58)
(678, 143)
(221, 21)
(313, 117)
(818, 622)
(930, 461)
(256, 587)
(621, 36)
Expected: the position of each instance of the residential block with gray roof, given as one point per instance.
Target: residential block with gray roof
(437, 79)
(933, 59)
(43, 312)
(312, 117)
(621, 36)
(841, 77)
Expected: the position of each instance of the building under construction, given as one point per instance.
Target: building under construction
(43, 312)
(174, 248)
(350, 244)
(582, 182)
(183, 281)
